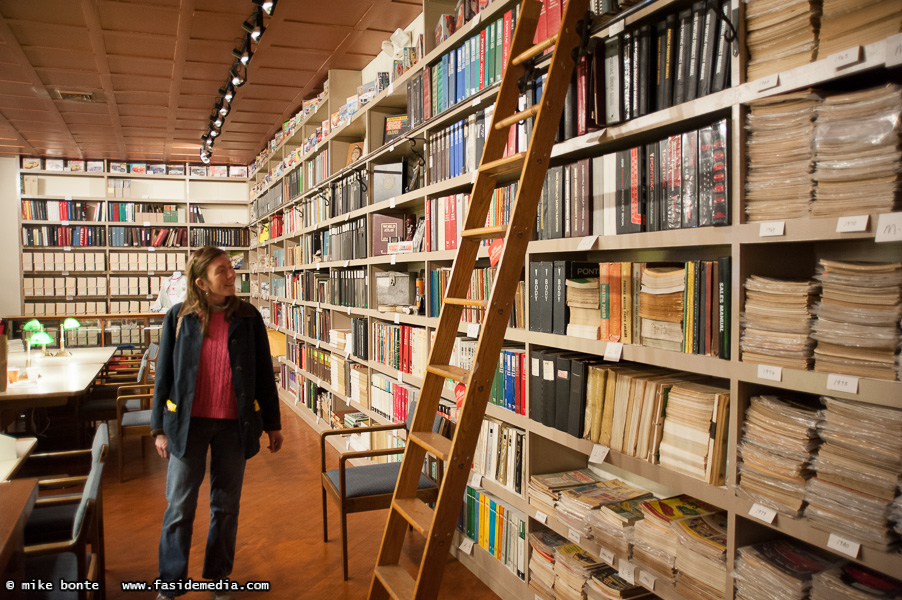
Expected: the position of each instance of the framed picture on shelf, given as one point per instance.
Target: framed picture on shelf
(355, 151)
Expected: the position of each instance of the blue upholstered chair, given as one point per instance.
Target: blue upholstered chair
(366, 487)
(133, 407)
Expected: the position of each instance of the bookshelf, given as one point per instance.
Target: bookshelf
(750, 246)
(131, 230)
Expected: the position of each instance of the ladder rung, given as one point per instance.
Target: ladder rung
(535, 50)
(466, 302)
(485, 233)
(415, 512)
(449, 372)
(517, 117)
(503, 166)
(435, 443)
(396, 581)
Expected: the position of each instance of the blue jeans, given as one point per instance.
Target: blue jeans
(182, 484)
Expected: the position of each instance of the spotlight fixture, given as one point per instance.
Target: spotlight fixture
(214, 132)
(268, 6)
(254, 25)
(205, 158)
(227, 92)
(244, 53)
(223, 108)
(237, 78)
(218, 121)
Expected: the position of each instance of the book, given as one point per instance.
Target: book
(395, 127)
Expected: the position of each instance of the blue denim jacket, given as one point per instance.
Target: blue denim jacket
(252, 377)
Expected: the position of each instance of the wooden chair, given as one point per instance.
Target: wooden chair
(367, 487)
(133, 409)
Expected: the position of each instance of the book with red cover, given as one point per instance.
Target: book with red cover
(582, 90)
(542, 26)
(552, 17)
(482, 49)
(506, 39)
(615, 317)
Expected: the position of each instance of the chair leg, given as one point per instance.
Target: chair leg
(119, 455)
(325, 517)
(344, 543)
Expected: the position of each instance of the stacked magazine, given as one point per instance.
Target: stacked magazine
(545, 489)
(576, 504)
(854, 582)
(541, 562)
(612, 524)
(849, 23)
(661, 307)
(583, 297)
(777, 321)
(606, 584)
(695, 431)
(701, 557)
(780, 35)
(573, 567)
(778, 570)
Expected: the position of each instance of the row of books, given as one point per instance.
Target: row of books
(497, 528)
(60, 210)
(220, 236)
(62, 236)
(499, 454)
(139, 212)
(400, 347)
(348, 287)
(349, 193)
(303, 320)
(444, 221)
(457, 149)
(509, 384)
(51, 309)
(390, 398)
(318, 168)
(149, 236)
(346, 241)
(317, 362)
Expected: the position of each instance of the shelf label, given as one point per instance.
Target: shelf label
(67, 248)
(146, 223)
(397, 319)
(391, 88)
(476, 480)
(767, 83)
(617, 27)
(475, 102)
(541, 517)
(613, 351)
(151, 273)
(843, 546)
(391, 148)
(150, 296)
(68, 198)
(349, 310)
(846, 58)
(347, 216)
(770, 372)
(842, 383)
(467, 546)
(65, 223)
(473, 177)
(317, 343)
(894, 50)
(889, 227)
(394, 259)
(606, 555)
(627, 571)
(852, 224)
(587, 242)
(473, 330)
(318, 266)
(317, 419)
(391, 202)
(70, 298)
(762, 513)
(65, 273)
(599, 453)
(145, 196)
(647, 579)
(347, 264)
(401, 377)
(574, 536)
(151, 249)
(771, 229)
(475, 21)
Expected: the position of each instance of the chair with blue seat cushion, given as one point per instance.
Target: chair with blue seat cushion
(133, 409)
(77, 558)
(366, 487)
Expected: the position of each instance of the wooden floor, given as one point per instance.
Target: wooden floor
(280, 529)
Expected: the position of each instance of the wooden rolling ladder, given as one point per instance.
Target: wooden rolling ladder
(390, 579)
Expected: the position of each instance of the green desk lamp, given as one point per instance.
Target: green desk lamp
(27, 330)
(65, 326)
(41, 338)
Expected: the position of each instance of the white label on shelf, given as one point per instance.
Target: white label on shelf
(391, 89)
(473, 330)
(475, 102)
(65, 223)
(391, 147)
(70, 298)
(347, 354)
(473, 177)
(889, 227)
(349, 310)
(65, 273)
(467, 546)
(150, 296)
(317, 343)
(317, 419)
(762, 513)
(400, 377)
(574, 536)
(846, 58)
(843, 546)
(842, 383)
(599, 453)
(347, 263)
(541, 517)
(850, 224)
(394, 259)
(613, 351)
(318, 266)
(548, 370)
(151, 249)
(771, 229)
(606, 555)
(68, 198)
(475, 21)
(647, 579)
(617, 27)
(67, 248)
(146, 223)
(476, 480)
(397, 318)
(894, 50)
(347, 216)
(767, 83)
(627, 571)
(391, 202)
(319, 306)
(151, 273)
(770, 372)
(587, 242)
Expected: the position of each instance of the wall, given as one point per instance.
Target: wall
(10, 265)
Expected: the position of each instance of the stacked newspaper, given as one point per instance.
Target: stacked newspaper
(541, 562)
(573, 567)
(780, 35)
(545, 489)
(854, 582)
(778, 570)
(701, 557)
(606, 584)
(576, 504)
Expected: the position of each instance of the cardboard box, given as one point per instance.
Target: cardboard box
(54, 164)
(27, 261)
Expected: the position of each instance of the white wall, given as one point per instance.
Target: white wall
(10, 265)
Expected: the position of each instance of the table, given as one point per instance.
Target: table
(17, 499)
(24, 446)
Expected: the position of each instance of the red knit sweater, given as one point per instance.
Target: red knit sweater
(214, 395)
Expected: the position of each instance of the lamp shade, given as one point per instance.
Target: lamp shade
(33, 325)
(70, 323)
(41, 338)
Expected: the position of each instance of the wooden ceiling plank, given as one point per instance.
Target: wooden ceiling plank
(19, 138)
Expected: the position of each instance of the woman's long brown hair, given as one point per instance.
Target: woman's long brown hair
(196, 299)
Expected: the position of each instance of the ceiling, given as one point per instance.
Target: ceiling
(154, 68)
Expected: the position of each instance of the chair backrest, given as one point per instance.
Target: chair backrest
(150, 355)
(90, 493)
(101, 443)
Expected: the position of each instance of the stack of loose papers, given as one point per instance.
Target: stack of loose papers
(857, 327)
(858, 471)
(545, 489)
(576, 504)
(661, 307)
(854, 582)
(655, 541)
(573, 567)
(583, 297)
(612, 524)
(849, 23)
(857, 150)
(780, 438)
(776, 322)
(606, 584)
(701, 557)
(780, 180)
(541, 562)
(776, 570)
(780, 35)
(695, 426)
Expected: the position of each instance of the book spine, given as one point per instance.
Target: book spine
(604, 300)
(614, 298)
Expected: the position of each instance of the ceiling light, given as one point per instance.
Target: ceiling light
(224, 111)
(268, 6)
(214, 132)
(235, 73)
(205, 158)
(227, 92)
(244, 53)
(254, 25)
(218, 121)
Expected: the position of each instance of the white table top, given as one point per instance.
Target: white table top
(24, 446)
(60, 377)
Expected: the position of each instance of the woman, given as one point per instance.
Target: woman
(214, 389)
